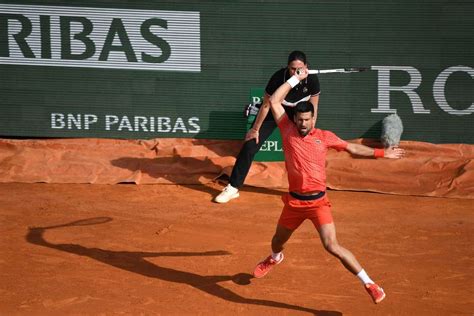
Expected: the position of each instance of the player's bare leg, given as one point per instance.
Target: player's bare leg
(281, 236)
(327, 233)
(279, 239)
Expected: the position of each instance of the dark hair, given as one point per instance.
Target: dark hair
(297, 55)
(303, 107)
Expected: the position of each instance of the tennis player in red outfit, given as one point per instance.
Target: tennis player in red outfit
(305, 149)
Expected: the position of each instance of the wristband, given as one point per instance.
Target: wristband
(293, 81)
(379, 153)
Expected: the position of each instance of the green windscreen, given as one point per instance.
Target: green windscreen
(147, 69)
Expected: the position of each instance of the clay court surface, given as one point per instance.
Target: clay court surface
(129, 249)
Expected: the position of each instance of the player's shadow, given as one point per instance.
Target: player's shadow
(184, 171)
(134, 261)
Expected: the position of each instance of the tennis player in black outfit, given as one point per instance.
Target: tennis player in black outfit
(264, 124)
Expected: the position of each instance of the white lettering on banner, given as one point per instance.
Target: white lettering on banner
(164, 124)
(271, 145)
(100, 37)
(110, 120)
(193, 121)
(256, 100)
(89, 119)
(141, 123)
(179, 125)
(384, 89)
(440, 95)
(57, 120)
(74, 120)
(126, 123)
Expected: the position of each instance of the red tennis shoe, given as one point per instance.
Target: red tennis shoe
(265, 266)
(376, 292)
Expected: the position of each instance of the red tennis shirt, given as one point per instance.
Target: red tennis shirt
(305, 157)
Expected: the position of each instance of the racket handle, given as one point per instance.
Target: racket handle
(312, 71)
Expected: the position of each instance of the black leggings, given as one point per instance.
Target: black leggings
(249, 150)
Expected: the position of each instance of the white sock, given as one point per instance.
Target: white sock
(276, 256)
(362, 275)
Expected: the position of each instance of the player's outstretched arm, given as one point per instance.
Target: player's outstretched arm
(362, 150)
(279, 95)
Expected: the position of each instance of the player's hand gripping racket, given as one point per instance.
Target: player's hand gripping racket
(252, 108)
(336, 70)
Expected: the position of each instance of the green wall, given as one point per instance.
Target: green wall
(235, 47)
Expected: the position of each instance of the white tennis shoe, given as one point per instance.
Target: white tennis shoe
(227, 194)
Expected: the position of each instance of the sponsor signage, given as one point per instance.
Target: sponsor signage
(384, 88)
(146, 69)
(125, 123)
(100, 37)
(272, 148)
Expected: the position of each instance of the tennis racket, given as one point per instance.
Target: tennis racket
(336, 70)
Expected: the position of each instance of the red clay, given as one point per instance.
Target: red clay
(168, 250)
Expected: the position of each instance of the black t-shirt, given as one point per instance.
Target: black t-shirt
(301, 92)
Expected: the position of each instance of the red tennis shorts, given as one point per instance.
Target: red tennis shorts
(295, 211)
